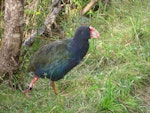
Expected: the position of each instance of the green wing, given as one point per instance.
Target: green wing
(49, 54)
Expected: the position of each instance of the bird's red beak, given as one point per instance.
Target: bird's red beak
(94, 33)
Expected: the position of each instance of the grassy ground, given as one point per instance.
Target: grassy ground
(113, 77)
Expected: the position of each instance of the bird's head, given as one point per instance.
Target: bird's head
(86, 32)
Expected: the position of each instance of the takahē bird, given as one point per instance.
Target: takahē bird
(54, 60)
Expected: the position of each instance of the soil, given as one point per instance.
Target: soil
(144, 95)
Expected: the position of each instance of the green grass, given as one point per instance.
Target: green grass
(115, 67)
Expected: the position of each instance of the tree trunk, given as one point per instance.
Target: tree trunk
(13, 33)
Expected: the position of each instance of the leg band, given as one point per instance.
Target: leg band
(30, 88)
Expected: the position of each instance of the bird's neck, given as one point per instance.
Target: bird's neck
(80, 48)
(82, 44)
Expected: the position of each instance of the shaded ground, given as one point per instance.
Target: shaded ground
(144, 94)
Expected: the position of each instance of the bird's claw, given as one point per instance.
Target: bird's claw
(26, 92)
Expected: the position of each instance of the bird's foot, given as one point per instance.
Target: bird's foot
(27, 91)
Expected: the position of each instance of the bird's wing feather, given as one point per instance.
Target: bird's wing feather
(50, 54)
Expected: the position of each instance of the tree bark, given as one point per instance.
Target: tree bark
(13, 34)
(49, 21)
(88, 6)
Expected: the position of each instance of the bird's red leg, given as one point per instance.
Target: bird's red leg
(53, 86)
(31, 84)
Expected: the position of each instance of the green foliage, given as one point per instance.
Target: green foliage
(107, 81)
(80, 3)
